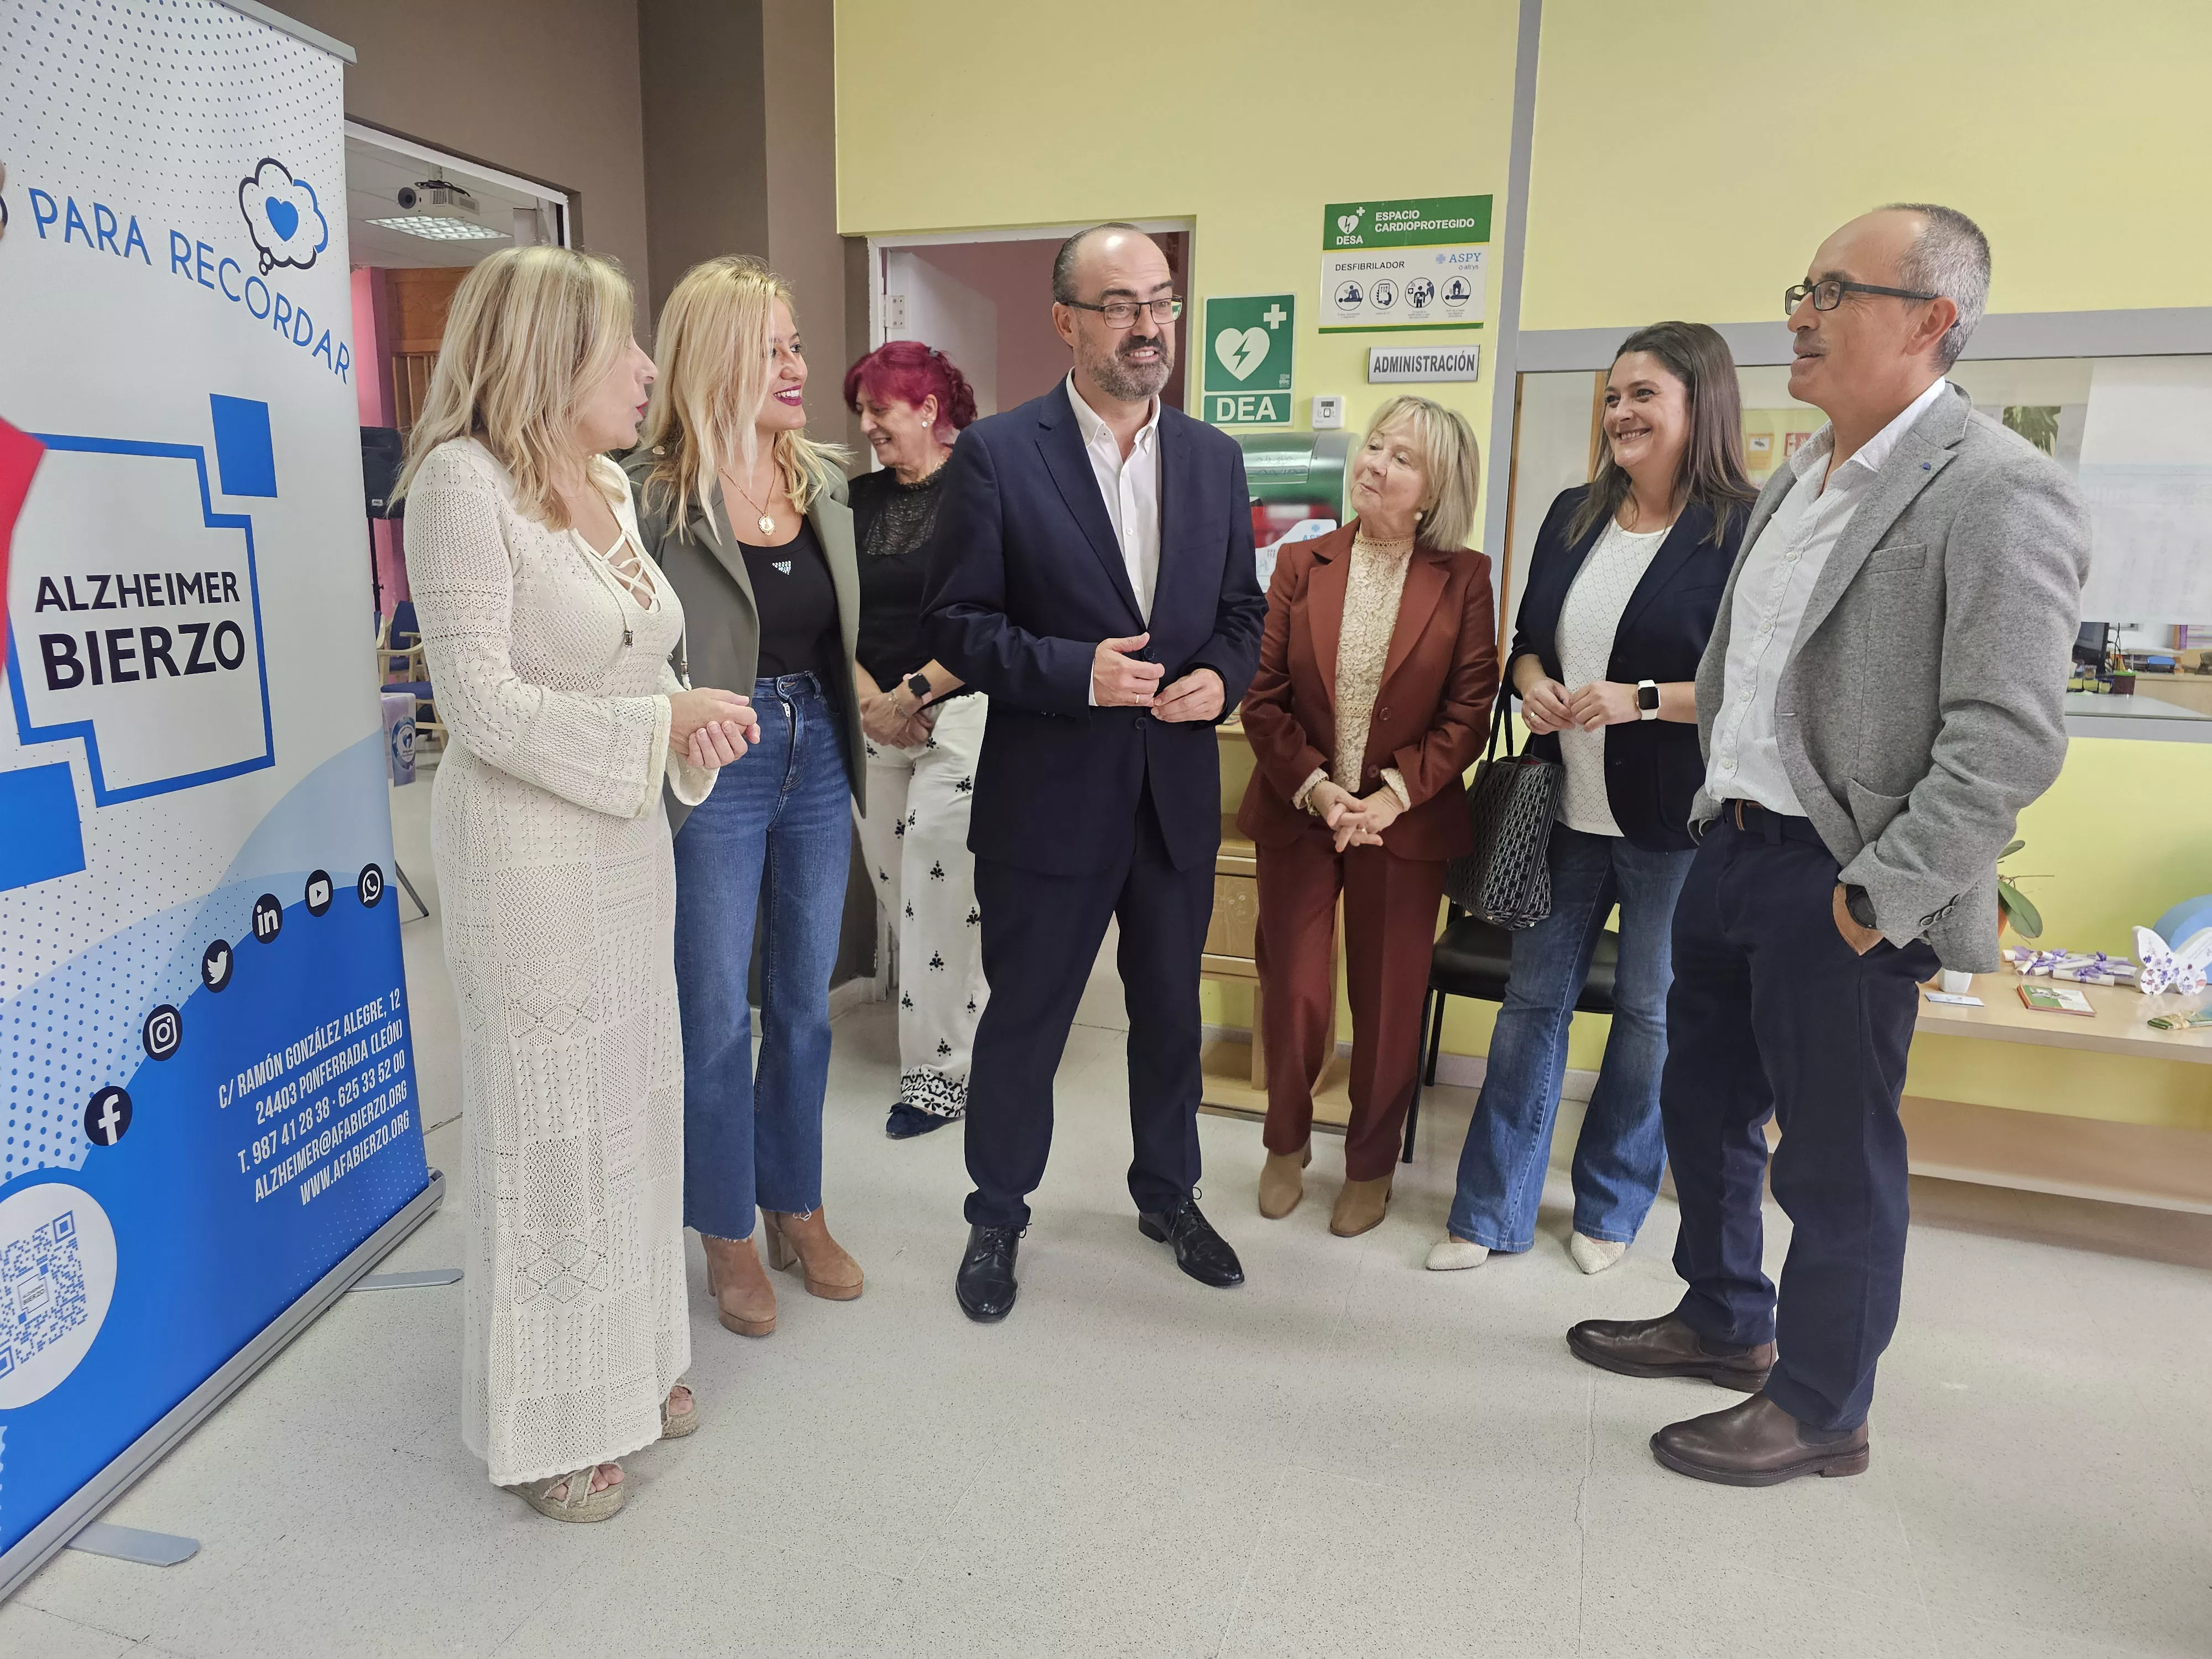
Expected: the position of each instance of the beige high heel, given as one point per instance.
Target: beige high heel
(747, 1309)
(804, 1242)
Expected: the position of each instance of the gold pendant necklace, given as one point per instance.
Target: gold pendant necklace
(767, 523)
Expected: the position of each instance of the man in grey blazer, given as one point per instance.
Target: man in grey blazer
(1883, 693)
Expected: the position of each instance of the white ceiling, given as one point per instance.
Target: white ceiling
(374, 176)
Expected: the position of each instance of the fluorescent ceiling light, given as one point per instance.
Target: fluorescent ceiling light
(436, 227)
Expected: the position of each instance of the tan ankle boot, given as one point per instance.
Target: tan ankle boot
(1360, 1207)
(744, 1301)
(829, 1272)
(1282, 1182)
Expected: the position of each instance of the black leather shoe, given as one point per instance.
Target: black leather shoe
(1667, 1346)
(1199, 1250)
(1759, 1444)
(986, 1285)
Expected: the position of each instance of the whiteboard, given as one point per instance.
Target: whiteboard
(2147, 473)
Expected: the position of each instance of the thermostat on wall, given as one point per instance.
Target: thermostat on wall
(1327, 414)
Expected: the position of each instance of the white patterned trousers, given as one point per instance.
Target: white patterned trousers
(915, 834)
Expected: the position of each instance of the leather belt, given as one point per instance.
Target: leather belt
(1755, 819)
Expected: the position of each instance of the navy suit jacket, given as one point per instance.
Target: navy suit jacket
(1652, 767)
(1026, 578)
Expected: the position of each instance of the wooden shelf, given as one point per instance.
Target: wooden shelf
(1229, 1091)
(2118, 1027)
(2138, 1164)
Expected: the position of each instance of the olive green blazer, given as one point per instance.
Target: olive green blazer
(700, 556)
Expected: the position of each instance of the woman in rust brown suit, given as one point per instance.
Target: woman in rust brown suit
(1376, 673)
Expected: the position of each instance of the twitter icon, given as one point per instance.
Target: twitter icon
(214, 965)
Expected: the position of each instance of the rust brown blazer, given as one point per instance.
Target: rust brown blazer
(1431, 711)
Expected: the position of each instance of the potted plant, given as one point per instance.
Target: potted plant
(2014, 908)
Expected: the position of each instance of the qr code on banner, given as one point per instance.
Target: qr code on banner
(42, 1290)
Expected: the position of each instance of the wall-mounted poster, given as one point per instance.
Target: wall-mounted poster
(1413, 263)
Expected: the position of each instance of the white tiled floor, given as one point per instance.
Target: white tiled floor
(1346, 1456)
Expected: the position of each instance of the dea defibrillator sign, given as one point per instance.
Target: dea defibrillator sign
(1247, 345)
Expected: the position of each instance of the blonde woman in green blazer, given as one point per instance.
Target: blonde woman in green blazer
(747, 518)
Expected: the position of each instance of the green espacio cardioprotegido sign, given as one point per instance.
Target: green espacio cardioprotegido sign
(1414, 262)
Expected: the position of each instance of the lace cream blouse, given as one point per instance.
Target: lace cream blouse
(1373, 588)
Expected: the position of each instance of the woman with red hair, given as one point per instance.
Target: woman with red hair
(923, 730)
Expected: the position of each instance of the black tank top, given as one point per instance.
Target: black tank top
(798, 605)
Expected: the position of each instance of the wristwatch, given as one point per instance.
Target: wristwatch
(1647, 700)
(919, 684)
(1858, 907)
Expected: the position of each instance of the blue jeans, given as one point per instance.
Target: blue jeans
(1623, 1150)
(782, 813)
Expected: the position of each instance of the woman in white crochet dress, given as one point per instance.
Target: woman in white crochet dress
(548, 633)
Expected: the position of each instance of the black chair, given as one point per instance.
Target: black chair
(1475, 959)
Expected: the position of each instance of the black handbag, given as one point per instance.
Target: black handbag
(1507, 879)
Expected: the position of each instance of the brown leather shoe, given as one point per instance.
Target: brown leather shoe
(1758, 1443)
(1282, 1182)
(1668, 1347)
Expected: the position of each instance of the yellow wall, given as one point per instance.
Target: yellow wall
(1246, 118)
(1690, 157)
(1688, 160)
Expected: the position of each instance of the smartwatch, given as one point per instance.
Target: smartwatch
(1858, 907)
(919, 684)
(1647, 700)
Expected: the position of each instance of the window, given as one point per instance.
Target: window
(2136, 432)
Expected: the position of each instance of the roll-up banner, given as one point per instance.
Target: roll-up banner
(208, 1109)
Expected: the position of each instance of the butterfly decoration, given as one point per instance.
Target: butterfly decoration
(2181, 967)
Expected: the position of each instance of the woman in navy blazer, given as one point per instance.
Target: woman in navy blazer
(1620, 597)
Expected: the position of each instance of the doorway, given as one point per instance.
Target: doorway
(418, 220)
(983, 298)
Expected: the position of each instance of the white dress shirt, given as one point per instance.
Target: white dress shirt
(1132, 489)
(1771, 595)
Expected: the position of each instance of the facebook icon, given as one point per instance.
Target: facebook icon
(107, 1119)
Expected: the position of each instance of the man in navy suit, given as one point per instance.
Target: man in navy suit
(1091, 573)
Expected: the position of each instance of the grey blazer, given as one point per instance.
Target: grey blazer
(1923, 703)
(704, 561)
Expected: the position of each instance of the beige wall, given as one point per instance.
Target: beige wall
(705, 143)
(740, 140)
(800, 99)
(546, 89)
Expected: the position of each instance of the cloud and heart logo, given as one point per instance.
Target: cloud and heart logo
(1241, 350)
(1346, 223)
(282, 216)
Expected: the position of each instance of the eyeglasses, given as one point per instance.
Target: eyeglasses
(1828, 294)
(1122, 313)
